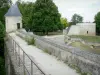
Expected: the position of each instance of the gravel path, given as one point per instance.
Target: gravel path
(56, 38)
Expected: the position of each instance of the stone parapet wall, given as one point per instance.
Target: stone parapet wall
(86, 61)
(18, 62)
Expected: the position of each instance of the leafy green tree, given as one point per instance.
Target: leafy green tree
(27, 13)
(4, 5)
(2, 31)
(97, 21)
(46, 17)
(76, 19)
(2, 66)
(64, 22)
(2, 35)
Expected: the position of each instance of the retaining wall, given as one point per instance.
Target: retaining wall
(86, 61)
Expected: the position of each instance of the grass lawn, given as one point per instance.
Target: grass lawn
(50, 33)
(93, 39)
(85, 47)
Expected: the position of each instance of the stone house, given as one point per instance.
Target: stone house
(88, 29)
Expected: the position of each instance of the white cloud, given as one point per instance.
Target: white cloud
(86, 8)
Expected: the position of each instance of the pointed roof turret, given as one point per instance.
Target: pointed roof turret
(13, 11)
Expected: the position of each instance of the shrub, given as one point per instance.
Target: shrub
(46, 51)
(2, 66)
(2, 31)
(30, 41)
(78, 70)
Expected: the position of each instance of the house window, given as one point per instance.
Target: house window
(18, 25)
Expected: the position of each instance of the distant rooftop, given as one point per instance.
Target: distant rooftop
(13, 11)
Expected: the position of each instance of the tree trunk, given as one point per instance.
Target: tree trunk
(46, 32)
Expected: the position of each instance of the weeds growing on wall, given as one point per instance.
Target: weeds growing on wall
(46, 51)
(78, 70)
(30, 41)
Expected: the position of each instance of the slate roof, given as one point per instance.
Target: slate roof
(13, 11)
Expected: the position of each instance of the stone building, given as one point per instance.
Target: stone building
(13, 19)
(81, 29)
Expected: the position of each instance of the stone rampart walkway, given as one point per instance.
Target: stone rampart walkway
(48, 63)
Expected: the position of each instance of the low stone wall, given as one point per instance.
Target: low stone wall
(17, 61)
(86, 61)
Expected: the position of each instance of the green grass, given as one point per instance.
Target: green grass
(93, 39)
(55, 33)
(85, 47)
(50, 33)
(80, 45)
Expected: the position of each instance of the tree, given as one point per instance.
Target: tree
(97, 21)
(27, 13)
(46, 17)
(2, 66)
(4, 5)
(2, 31)
(64, 22)
(76, 19)
(2, 35)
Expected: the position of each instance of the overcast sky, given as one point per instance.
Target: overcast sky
(86, 8)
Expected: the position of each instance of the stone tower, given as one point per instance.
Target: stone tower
(13, 19)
